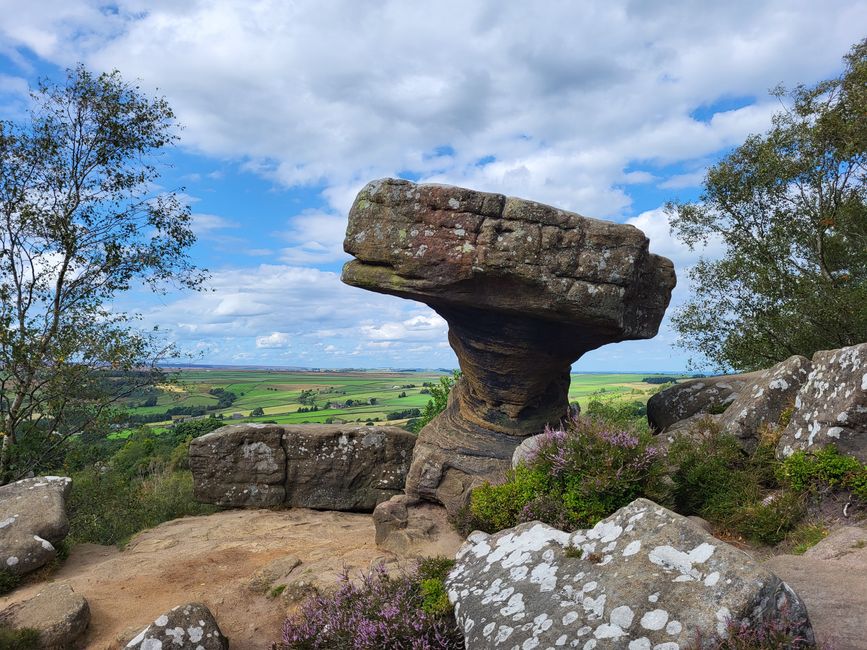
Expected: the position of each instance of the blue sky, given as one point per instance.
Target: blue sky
(608, 109)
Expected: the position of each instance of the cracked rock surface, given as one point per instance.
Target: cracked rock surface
(325, 467)
(526, 289)
(642, 578)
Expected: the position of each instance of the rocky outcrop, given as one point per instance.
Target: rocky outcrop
(831, 406)
(326, 467)
(765, 400)
(185, 627)
(410, 527)
(526, 290)
(56, 612)
(695, 397)
(644, 577)
(830, 579)
(241, 465)
(32, 520)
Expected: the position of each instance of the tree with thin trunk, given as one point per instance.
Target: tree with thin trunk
(790, 208)
(81, 221)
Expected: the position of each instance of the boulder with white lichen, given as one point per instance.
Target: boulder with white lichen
(32, 521)
(642, 578)
(831, 406)
(185, 627)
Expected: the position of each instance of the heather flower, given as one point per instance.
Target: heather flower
(381, 612)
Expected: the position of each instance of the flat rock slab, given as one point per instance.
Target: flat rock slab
(185, 627)
(326, 467)
(831, 406)
(642, 578)
(58, 613)
(32, 520)
(830, 578)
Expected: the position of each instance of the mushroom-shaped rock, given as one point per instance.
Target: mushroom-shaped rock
(526, 289)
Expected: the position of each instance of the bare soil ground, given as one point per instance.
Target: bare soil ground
(211, 559)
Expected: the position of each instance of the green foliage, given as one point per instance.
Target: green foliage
(108, 508)
(439, 400)
(806, 536)
(631, 414)
(257, 412)
(435, 598)
(499, 506)
(84, 219)
(825, 469)
(573, 551)
(8, 581)
(790, 208)
(19, 639)
(715, 479)
(577, 477)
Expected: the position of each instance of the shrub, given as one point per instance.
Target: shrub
(382, 612)
(107, 508)
(629, 414)
(741, 493)
(765, 635)
(825, 469)
(577, 476)
(18, 639)
(8, 581)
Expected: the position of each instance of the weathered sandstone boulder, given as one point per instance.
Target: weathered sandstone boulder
(185, 627)
(526, 290)
(242, 465)
(765, 399)
(32, 520)
(695, 397)
(830, 579)
(831, 406)
(408, 527)
(58, 613)
(642, 578)
(326, 467)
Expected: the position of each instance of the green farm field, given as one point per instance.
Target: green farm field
(288, 397)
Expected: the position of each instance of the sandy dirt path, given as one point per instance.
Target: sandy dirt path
(210, 559)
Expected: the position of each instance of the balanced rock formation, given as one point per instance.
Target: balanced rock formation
(185, 627)
(325, 467)
(526, 290)
(32, 520)
(56, 612)
(831, 406)
(642, 578)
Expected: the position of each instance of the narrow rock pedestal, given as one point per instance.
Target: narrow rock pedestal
(526, 290)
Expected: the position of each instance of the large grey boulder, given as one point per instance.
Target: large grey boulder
(695, 397)
(32, 520)
(764, 400)
(345, 467)
(58, 613)
(326, 467)
(642, 578)
(526, 289)
(830, 578)
(240, 465)
(185, 627)
(831, 406)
